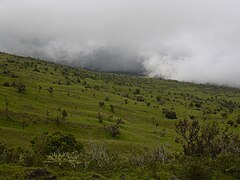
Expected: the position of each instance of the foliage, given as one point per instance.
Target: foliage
(56, 142)
(169, 114)
(207, 140)
(21, 88)
(6, 84)
(113, 130)
(143, 125)
(101, 104)
(65, 159)
(99, 155)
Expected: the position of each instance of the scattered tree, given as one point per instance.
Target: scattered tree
(101, 104)
(21, 88)
(111, 108)
(50, 90)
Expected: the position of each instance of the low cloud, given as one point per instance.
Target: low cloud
(196, 41)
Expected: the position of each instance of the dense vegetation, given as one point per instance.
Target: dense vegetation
(60, 122)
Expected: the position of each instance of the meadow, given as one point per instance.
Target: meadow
(119, 120)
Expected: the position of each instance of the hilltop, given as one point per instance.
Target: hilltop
(125, 113)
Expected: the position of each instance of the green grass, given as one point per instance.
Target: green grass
(79, 91)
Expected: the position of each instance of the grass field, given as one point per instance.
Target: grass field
(34, 94)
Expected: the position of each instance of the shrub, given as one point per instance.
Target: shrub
(6, 84)
(137, 91)
(50, 90)
(99, 155)
(64, 114)
(57, 142)
(140, 98)
(230, 122)
(100, 117)
(21, 88)
(198, 105)
(126, 101)
(113, 130)
(150, 160)
(111, 107)
(171, 115)
(10, 155)
(158, 98)
(29, 159)
(101, 104)
(207, 140)
(238, 120)
(195, 168)
(119, 121)
(68, 159)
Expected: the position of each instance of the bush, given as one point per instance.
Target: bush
(230, 122)
(64, 114)
(137, 91)
(30, 159)
(101, 104)
(6, 84)
(99, 155)
(140, 98)
(198, 105)
(57, 142)
(195, 168)
(171, 115)
(111, 108)
(207, 140)
(238, 120)
(113, 130)
(119, 121)
(50, 90)
(21, 88)
(150, 161)
(10, 155)
(68, 159)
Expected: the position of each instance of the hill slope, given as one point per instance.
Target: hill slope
(38, 96)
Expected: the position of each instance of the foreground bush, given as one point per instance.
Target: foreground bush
(68, 159)
(207, 140)
(18, 156)
(57, 142)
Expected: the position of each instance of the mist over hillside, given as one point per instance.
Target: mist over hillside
(195, 41)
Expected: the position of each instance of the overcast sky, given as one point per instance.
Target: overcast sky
(189, 40)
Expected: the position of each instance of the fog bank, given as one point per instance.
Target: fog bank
(196, 41)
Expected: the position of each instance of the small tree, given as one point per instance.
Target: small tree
(238, 119)
(21, 88)
(6, 84)
(207, 140)
(111, 108)
(101, 104)
(100, 117)
(140, 98)
(113, 130)
(6, 108)
(50, 90)
(39, 88)
(64, 114)
(119, 121)
(137, 91)
(170, 114)
(57, 142)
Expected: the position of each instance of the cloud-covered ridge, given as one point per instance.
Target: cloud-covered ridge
(186, 40)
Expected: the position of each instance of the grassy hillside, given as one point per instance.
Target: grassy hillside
(38, 96)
